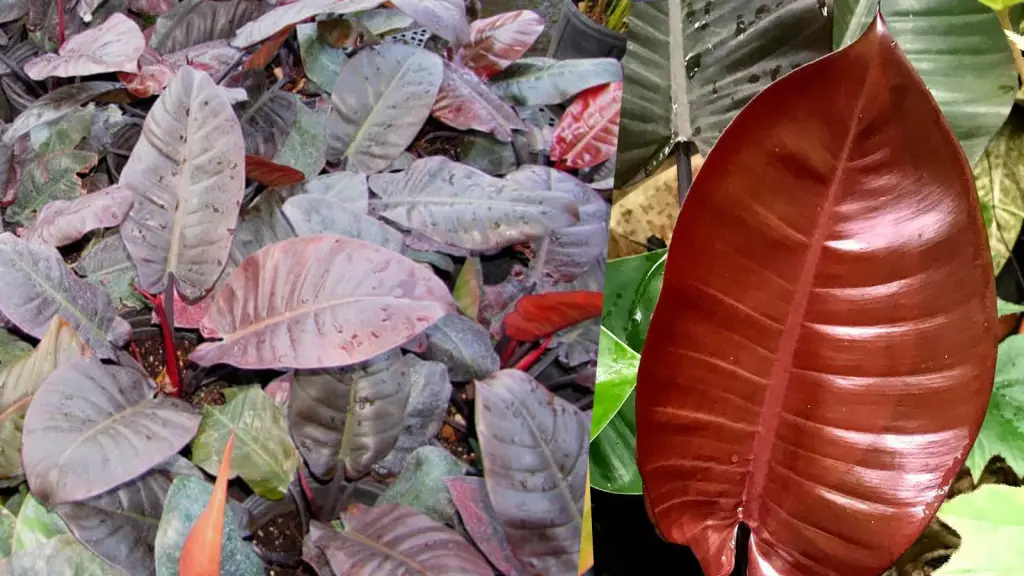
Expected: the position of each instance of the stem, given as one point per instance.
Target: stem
(60, 23)
(528, 360)
(510, 348)
(161, 305)
(684, 170)
(1018, 59)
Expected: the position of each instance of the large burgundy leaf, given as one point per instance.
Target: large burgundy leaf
(113, 46)
(822, 353)
(500, 40)
(319, 301)
(465, 102)
(588, 131)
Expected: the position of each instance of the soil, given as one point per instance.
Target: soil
(454, 434)
(282, 537)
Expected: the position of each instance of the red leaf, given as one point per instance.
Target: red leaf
(200, 556)
(154, 75)
(466, 103)
(259, 169)
(541, 315)
(268, 50)
(588, 131)
(187, 316)
(500, 40)
(822, 353)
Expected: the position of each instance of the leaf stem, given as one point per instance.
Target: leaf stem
(684, 170)
(60, 23)
(1018, 59)
(528, 360)
(164, 307)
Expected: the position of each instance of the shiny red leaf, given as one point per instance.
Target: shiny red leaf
(259, 169)
(541, 315)
(500, 40)
(822, 353)
(588, 131)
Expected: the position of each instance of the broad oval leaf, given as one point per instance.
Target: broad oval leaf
(372, 126)
(534, 446)
(819, 361)
(453, 203)
(538, 316)
(63, 222)
(613, 453)
(188, 176)
(691, 67)
(546, 81)
(39, 287)
(319, 301)
(588, 130)
(395, 539)
(430, 392)
(113, 46)
(194, 22)
(466, 103)
(616, 377)
(464, 346)
(312, 214)
(93, 426)
(500, 40)
(444, 18)
(108, 265)
(288, 14)
(987, 521)
(974, 98)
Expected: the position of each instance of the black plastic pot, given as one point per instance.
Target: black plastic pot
(576, 36)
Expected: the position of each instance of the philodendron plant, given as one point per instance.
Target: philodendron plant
(361, 243)
(821, 356)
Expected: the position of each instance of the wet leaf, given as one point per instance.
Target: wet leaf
(433, 198)
(464, 346)
(394, 539)
(263, 453)
(444, 18)
(537, 316)
(421, 485)
(195, 22)
(469, 494)
(349, 188)
(632, 287)
(546, 81)
(19, 382)
(283, 16)
(369, 128)
(62, 222)
(311, 215)
(999, 178)
(613, 465)
(498, 41)
(534, 446)
(106, 264)
(588, 131)
(87, 415)
(352, 415)
(185, 501)
(115, 45)
(40, 287)
(321, 62)
(465, 102)
(55, 105)
(324, 310)
(188, 176)
(430, 392)
(616, 378)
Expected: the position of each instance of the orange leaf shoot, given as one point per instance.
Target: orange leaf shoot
(200, 556)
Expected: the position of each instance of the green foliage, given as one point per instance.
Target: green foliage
(990, 522)
(1001, 4)
(1002, 433)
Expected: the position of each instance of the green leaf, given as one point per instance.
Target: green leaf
(692, 66)
(305, 148)
(1002, 432)
(185, 501)
(1000, 4)
(999, 178)
(959, 50)
(631, 289)
(35, 526)
(321, 62)
(63, 555)
(106, 263)
(12, 348)
(990, 522)
(263, 452)
(7, 521)
(421, 484)
(469, 288)
(1004, 308)
(613, 453)
(616, 378)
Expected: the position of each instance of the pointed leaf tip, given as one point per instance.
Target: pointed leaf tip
(201, 554)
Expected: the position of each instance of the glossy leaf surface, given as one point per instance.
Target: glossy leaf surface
(500, 40)
(465, 102)
(588, 131)
(539, 315)
(115, 45)
(823, 350)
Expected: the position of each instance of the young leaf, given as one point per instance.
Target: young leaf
(264, 458)
(185, 502)
(353, 415)
(115, 45)
(188, 176)
(538, 316)
(19, 382)
(453, 203)
(444, 18)
(394, 539)
(319, 301)
(789, 387)
(63, 222)
(87, 415)
(588, 131)
(466, 103)
(500, 40)
(39, 287)
(526, 430)
(988, 522)
(546, 82)
(469, 288)
(469, 494)
(421, 485)
(370, 127)
(201, 553)
(286, 15)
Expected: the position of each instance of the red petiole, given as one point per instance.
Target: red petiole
(164, 307)
(528, 360)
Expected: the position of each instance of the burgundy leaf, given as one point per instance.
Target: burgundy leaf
(259, 169)
(470, 497)
(466, 103)
(319, 301)
(540, 315)
(115, 45)
(822, 353)
(588, 131)
(500, 40)
(62, 222)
